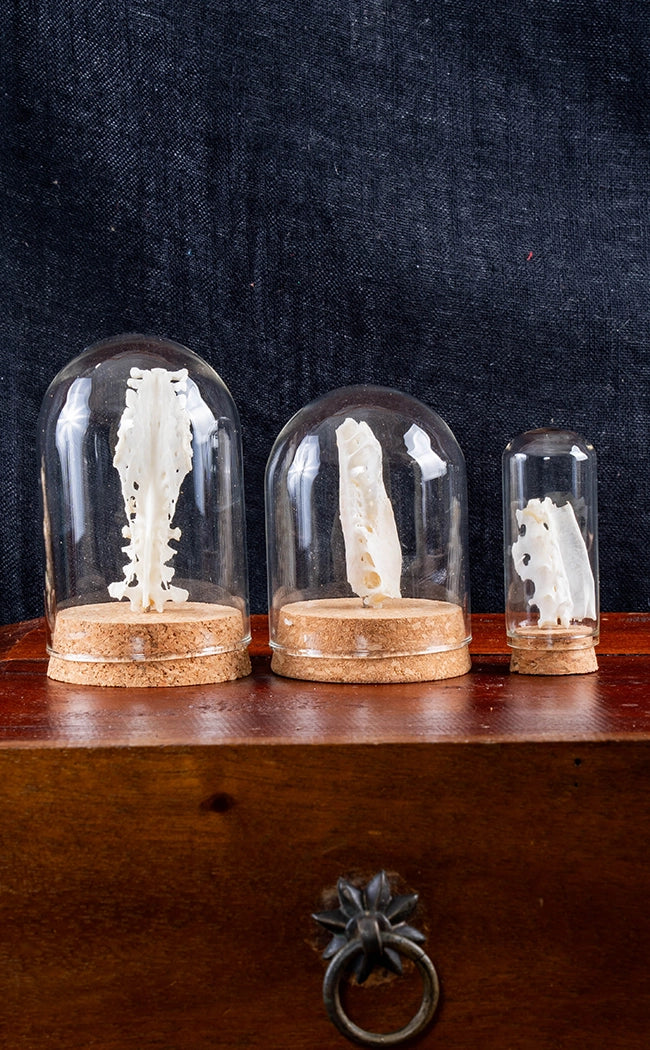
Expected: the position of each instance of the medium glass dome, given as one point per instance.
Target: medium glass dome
(143, 515)
(366, 513)
(550, 523)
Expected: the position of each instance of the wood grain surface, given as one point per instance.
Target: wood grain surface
(487, 704)
(161, 852)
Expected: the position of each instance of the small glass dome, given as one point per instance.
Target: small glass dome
(366, 513)
(143, 517)
(551, 552)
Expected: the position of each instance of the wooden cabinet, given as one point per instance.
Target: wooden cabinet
(162, 852)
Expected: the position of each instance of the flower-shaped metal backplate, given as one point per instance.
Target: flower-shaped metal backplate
(365, 915)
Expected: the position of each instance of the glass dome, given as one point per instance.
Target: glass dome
(366, 513)
(143, 518)
(551, 552)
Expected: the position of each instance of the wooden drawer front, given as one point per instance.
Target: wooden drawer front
(161, 897)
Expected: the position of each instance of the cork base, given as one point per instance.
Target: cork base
(551, 661)
(109, 645)
(553, 651)
(339, 640)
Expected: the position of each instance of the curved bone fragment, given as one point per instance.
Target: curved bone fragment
(152, 455)
(373, 555)
(552, 554)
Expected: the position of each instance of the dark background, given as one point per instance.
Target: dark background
(447, 197)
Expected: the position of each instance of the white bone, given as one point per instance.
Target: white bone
(152, 455)
(373, 555)
(552, 554)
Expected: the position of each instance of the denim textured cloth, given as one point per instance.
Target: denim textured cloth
(450, 198)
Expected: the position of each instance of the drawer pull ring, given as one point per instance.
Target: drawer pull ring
(369, 930)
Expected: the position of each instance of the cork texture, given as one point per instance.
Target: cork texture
(553, 661)
(108, 644)
(339, 640)
(556, 650)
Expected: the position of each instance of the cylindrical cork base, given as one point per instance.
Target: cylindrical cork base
(553, 651)
(109, 645)
(340, 640)
(553, 661)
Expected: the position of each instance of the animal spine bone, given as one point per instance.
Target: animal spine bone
(152, 456)
(552, 554)
(373, 555)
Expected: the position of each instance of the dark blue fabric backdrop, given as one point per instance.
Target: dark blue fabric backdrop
(448, 197)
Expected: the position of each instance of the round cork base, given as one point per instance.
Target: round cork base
(340, 640)
(553, 651)
(550, 661)
(108, 644)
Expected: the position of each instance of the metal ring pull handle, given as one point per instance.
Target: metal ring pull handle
(369, 931)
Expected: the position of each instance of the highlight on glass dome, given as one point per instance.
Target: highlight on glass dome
(143, 519)
(366, 514)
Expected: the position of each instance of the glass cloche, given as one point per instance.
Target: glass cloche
(366, 512)
(143, 515)
(550, 521)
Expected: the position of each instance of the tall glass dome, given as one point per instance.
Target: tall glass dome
(143, 517)
(366, 513)
(550, 523)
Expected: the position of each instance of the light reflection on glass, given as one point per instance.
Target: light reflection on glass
(70, 431)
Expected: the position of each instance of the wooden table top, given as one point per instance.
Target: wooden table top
(488, 704)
